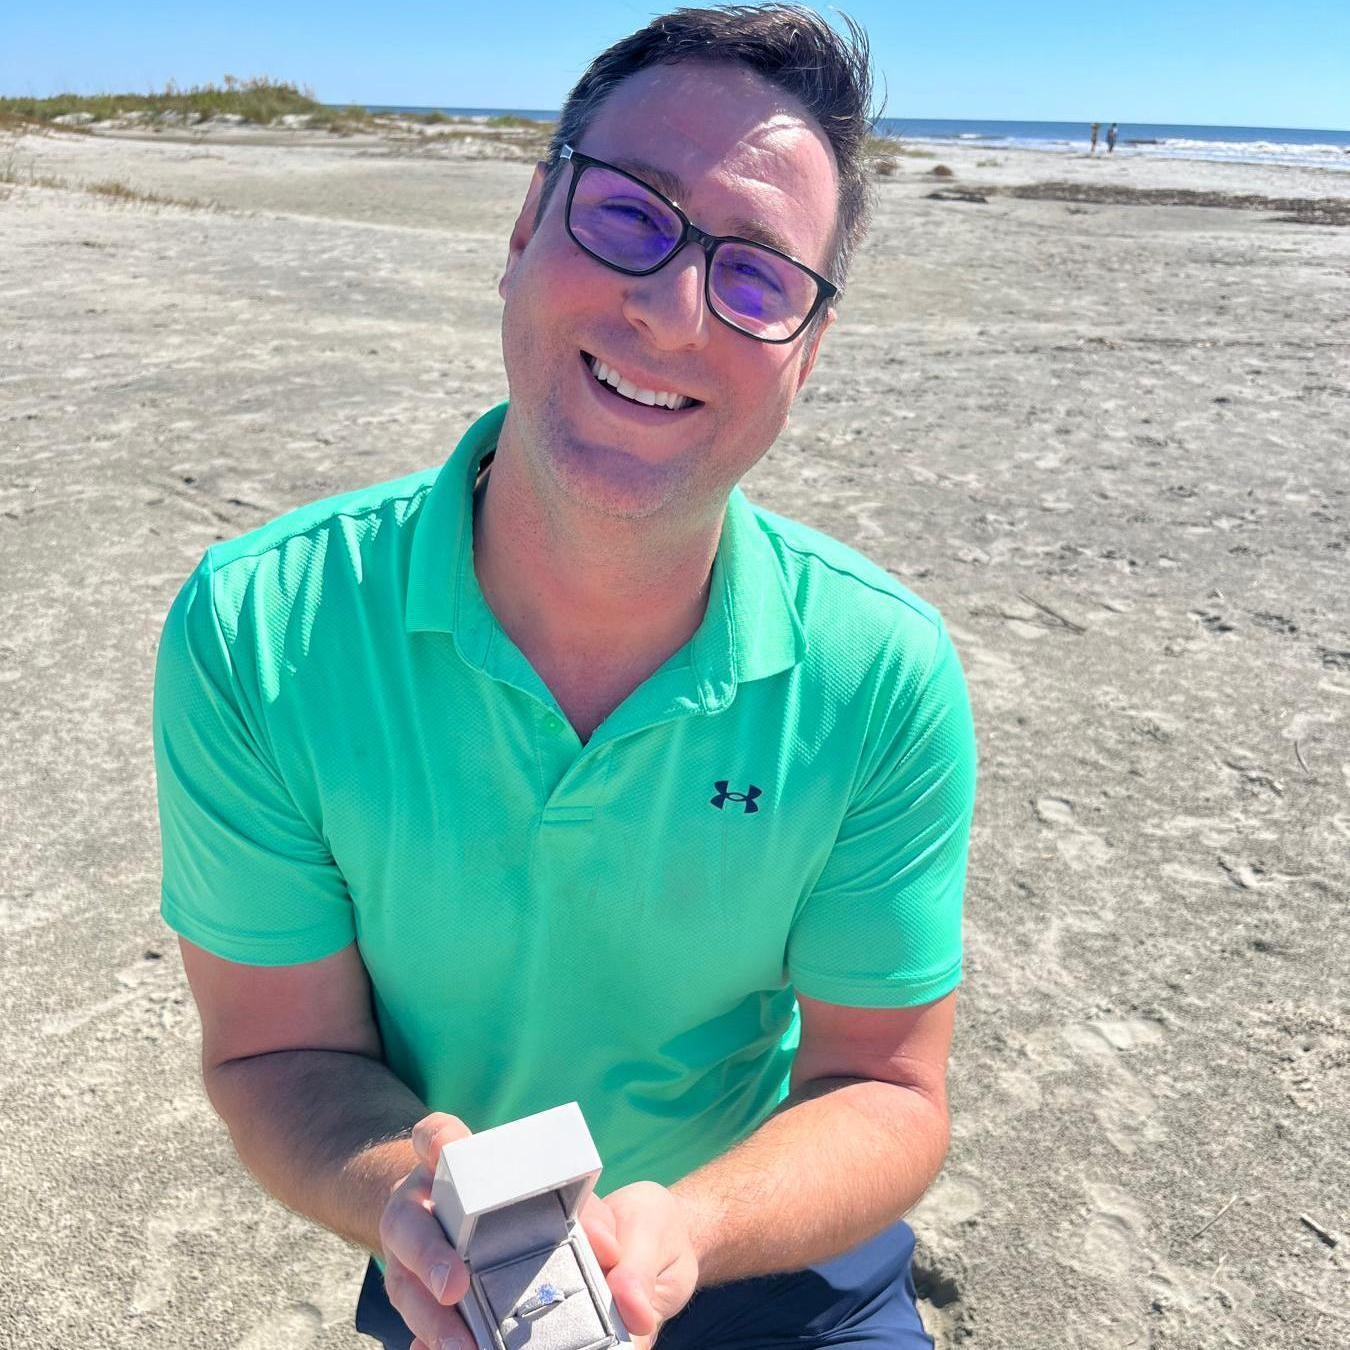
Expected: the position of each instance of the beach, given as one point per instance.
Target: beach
(1108, 437)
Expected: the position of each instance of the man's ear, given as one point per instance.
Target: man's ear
(813, 348)
(523, 230)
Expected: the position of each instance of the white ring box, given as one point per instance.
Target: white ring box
(509, 1200)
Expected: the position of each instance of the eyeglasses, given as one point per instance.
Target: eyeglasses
(629, 226)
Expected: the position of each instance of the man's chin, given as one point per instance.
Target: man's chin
(613, 482)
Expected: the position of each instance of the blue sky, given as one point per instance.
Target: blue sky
(1241, 63)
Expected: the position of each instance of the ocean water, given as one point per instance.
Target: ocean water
(1248, 145)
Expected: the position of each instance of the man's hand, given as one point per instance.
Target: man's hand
(638, 1234)
(648, 1257)
(424, 1276)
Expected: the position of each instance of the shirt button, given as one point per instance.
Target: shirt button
(553, 722)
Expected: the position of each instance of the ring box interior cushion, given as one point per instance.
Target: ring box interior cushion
(508, 1200)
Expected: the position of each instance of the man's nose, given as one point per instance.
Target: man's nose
(668, 305)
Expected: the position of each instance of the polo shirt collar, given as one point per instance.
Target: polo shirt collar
(440, 569)
(750, 631)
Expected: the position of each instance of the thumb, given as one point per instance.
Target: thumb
(432, 1133)
(633, 1280)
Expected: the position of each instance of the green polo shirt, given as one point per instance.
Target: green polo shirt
(350, 748)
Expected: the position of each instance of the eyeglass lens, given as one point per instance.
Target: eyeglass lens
(629, 227)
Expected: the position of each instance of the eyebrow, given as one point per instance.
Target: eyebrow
(673, 186)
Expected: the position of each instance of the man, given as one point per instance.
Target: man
(563, 773)
(1096, 127)
(1111, 139)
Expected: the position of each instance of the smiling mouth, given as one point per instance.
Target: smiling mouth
(619, 385)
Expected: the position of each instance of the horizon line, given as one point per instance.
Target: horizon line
(886, 117)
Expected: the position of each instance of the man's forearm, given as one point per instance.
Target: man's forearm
(325, 1132)
(832, 1167)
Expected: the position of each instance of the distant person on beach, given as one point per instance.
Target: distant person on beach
(1111, 139)
(563, 772)
(1096, 127)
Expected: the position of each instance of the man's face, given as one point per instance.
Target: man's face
(740, 157)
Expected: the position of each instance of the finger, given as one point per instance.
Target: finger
(412, 1237)
(653, 1279)
(630, 1294)
(433, 1132)
(436, 1327)
(601, 1228)
(674, 1286)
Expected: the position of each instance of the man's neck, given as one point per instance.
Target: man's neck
(595, 604)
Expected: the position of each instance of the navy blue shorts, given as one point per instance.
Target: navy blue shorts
(863, 1298)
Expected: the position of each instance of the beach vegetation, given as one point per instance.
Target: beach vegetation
(1296, 210)
(260, 100)
(894, 147)
(522, 123)
(127, 195)
(341, 121)
(14, 172)
(514, 144)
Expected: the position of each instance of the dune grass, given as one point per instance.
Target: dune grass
(523, 123)
(885, 152)
(14, 172)
(261, 99)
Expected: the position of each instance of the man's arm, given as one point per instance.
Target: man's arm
(860, 1138)
(291, 1063)
(327, 1133)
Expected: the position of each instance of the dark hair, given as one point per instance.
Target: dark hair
(829, 73)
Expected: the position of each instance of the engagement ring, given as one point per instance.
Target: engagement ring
(545, 1297)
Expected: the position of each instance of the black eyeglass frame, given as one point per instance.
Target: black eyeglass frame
(826, 290)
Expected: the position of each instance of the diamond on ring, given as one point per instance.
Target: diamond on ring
(545, 1297)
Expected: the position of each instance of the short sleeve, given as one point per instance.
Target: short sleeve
(882, 926)
(246, 876)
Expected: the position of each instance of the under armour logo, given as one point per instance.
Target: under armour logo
(723, 796)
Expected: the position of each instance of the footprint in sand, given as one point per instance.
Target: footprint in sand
(1017, 1090)
(1055, 811)
(1112, 1242)
(1102, 1037)
(143, 980)
(868, 525)
(1080, 847)
(1125, 1113)
(1107, 1249)
(950, 1202)
(1141, 1292)
(1125, 1108)
(193, 1211)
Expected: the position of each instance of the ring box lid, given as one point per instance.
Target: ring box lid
(551, 1152)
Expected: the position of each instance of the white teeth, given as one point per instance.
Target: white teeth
(652, 398)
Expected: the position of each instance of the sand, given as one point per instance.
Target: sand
(1110, 441)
